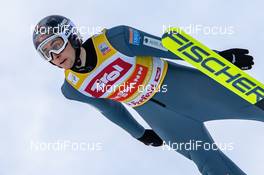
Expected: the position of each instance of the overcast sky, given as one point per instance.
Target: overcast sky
(34, 111)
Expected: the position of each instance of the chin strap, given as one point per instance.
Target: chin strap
(78, 62)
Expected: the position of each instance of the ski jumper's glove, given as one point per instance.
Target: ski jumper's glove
(150, 138)
(238, 57)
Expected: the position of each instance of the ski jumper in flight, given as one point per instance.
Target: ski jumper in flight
(173, 99)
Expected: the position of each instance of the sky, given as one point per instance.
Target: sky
(34, 114)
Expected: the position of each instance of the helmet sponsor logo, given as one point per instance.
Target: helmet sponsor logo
(68, 30)
(64, 21)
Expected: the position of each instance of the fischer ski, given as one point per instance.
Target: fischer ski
(214, 65)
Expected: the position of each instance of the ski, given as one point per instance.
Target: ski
(214, 66)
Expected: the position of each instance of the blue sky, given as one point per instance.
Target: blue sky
(33, 109)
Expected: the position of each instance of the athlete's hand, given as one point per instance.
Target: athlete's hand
(150, 138)
(238, 57)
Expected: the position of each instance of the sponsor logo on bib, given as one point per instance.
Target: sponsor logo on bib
(107, 77)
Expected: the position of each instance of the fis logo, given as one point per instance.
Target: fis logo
(103, 47)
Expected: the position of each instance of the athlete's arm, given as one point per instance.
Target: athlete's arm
(133, 42)
(112, 110)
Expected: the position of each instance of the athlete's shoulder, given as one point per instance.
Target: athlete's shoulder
(120, 29)
(123, 37)
(67, 90)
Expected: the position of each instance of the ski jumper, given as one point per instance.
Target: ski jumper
(177, 115)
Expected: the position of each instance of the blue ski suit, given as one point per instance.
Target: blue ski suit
(178, 115)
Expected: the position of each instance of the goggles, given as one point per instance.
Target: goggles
(53, 44)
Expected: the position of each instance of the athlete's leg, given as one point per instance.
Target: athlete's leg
(177, 129)
(192, 93)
